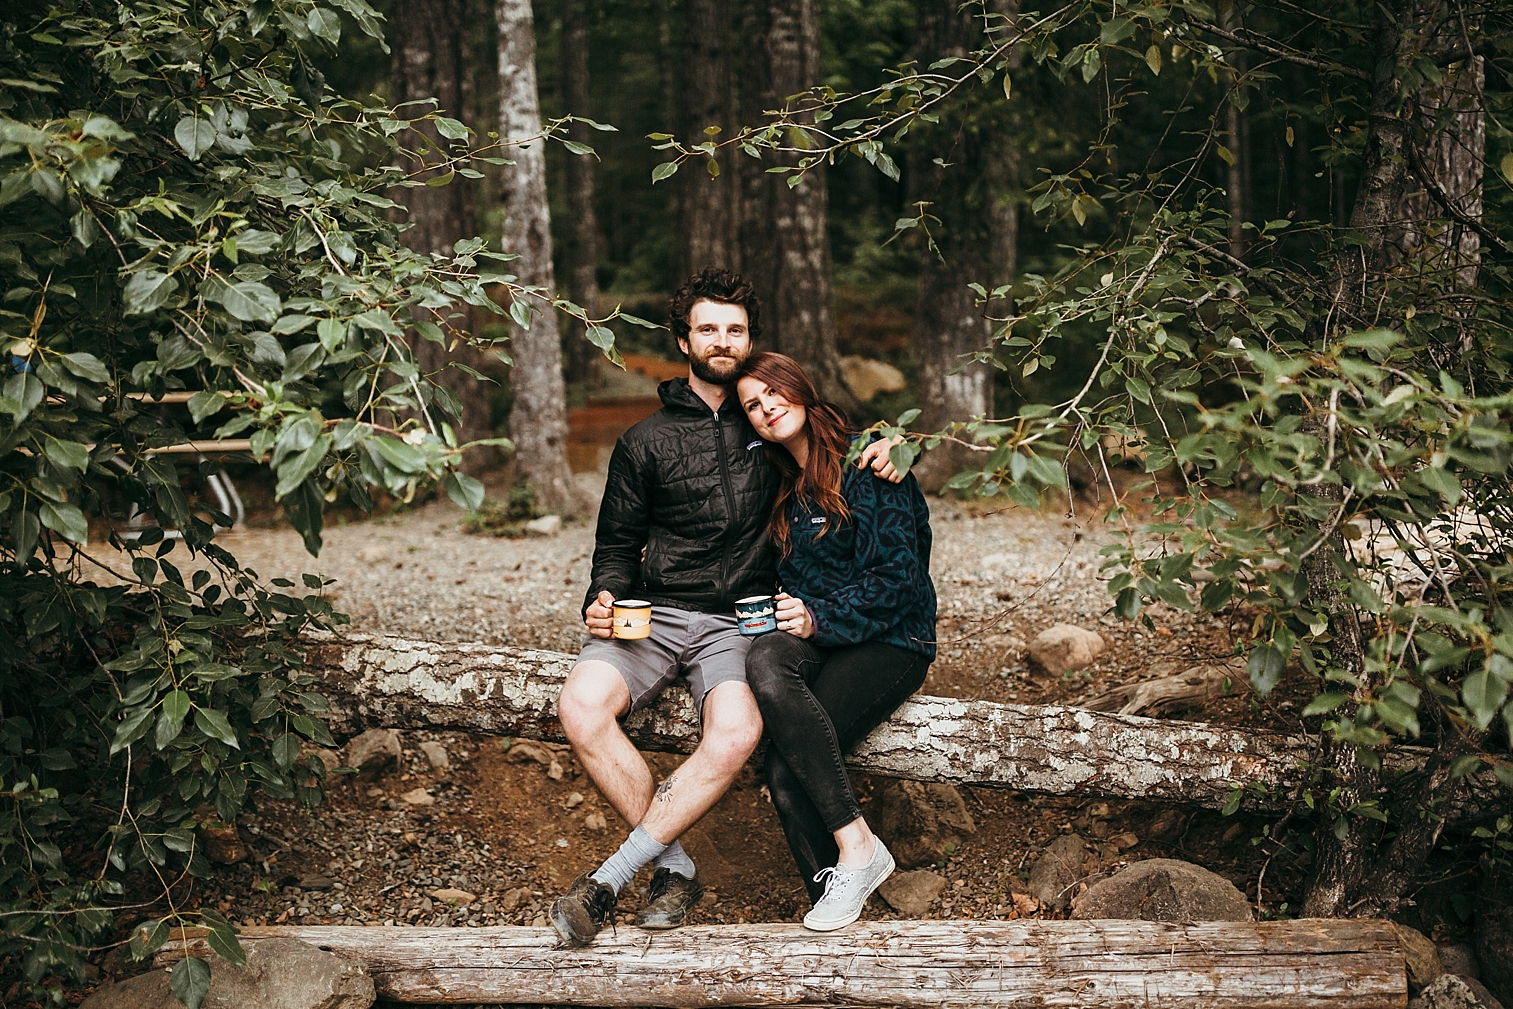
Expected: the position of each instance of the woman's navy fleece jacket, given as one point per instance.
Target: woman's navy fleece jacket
(868, 578)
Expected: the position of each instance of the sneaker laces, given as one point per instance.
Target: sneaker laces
(836, 878)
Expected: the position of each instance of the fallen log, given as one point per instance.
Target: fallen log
(394, 682)
(1205, 965)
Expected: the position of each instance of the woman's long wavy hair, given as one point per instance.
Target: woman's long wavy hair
(819, 482)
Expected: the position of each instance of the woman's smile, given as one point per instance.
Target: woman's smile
(773, 416)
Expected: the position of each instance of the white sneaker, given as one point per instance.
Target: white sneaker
(847, 889)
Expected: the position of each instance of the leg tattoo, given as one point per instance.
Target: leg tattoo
(664, 790)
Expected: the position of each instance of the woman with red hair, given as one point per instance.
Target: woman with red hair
(856, 630)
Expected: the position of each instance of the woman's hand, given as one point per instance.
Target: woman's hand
(793, 616)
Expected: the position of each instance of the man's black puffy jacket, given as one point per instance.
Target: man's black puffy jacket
(694, 489)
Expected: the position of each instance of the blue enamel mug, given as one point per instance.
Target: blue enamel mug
(756, 615)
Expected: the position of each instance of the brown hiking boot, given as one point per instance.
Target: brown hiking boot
(579, 914)
(671, 897)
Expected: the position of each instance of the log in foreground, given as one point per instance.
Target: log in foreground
(395, 682)
(1212, 965)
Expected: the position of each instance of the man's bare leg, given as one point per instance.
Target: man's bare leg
(593, 700)
(732, 728)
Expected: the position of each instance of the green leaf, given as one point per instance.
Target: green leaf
(66, 454)
(190, 981)
(1484, 695)
(1116, 30)
(223, 942)
(465, 490)
(1373, 339)
(205, 403)
(285, 749)
(324, 24)
(1324, 703)
(148, 291)
(1265, 665)
(451, 128)
(86, 366)
(907, 417)
(213, 724)
(665, 170)
(1465, 764)
(65, 519)
(1091, 64)
(250, 301)
(194, 135)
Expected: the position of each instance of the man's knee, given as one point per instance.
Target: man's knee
(732, 724)
(594, 695)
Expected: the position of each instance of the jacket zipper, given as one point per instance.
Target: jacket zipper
(719, 440)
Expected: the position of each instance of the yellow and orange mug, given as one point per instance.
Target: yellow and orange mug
(632, 620)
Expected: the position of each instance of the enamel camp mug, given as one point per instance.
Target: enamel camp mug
(756, 615)
(632, 619)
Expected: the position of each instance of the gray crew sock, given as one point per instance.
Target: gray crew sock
(676, 859)
(639, 848)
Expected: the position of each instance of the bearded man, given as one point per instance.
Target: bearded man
(683, 526)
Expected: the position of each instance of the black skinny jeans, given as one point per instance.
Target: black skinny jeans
(817, 704)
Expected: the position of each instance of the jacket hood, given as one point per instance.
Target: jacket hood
(677, 395)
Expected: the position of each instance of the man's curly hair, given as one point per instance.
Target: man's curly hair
(714, 284)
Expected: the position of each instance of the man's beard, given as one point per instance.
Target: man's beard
(717, 374)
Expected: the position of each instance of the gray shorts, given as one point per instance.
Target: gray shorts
(704, 649)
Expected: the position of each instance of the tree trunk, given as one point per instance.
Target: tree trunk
(1235, 190)
(397, 682)
(916, 964)
(583, 221)
(538, 419)
(785, 243)
(432, 59)
(1453, 153)
(1345, 879)
(1003, 165)
(948, 323)
(711, 205)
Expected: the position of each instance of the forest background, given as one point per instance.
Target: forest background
(1257, 252)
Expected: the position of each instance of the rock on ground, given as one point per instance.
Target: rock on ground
(1065, 648)
(546, 525)
(1460, 959)
(280, 974)
(223, 845)
(1451, 992)
(436, 754)
(375, 749)
(1164, 889)
(919, 821)
(1057, 870)
(912, 893)
(1423, 958)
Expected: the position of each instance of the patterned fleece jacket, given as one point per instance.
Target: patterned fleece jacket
(868, 577)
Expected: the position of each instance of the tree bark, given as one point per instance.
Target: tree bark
(924, 964)
(1003, 219)
(1236, 190)
(948, 323)
(431, 58)
(583, 220)
(538, 419)
(1451, 142)
(711, 205)
(395, 682)
(785, 243)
